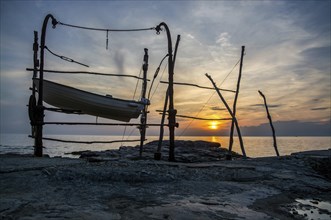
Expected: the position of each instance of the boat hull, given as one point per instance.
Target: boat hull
(70, 98)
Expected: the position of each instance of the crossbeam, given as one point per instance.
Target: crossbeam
(86, 142)
(104, 124)
(87, 72)
(195, 85)
(196, 118)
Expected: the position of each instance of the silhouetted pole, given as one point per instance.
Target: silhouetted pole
(38, 148)
(270, 121)
(143, 118)
(230, 112)
(171, 111)
(234, 109)
(32, 99)
(158, 154)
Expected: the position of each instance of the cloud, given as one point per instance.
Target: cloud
(262, 105)
(215, 108)
(287, 52)
(320, 109)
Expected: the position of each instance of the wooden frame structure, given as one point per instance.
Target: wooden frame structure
(36, 108)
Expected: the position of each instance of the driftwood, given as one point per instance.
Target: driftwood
(270, 121)
(230, 112)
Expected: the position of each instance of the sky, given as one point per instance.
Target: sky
(287, 57)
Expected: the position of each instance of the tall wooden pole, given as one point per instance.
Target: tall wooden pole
(230, 112)
(270, 121)
(38, 148)
(157, 154)
(143, 118)
(234, 109)
(171, 111)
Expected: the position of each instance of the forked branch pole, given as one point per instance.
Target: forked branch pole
(270, 121)
(230, 112)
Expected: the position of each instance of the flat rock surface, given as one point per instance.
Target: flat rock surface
(121, 186)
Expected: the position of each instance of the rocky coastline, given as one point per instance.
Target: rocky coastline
(201, 184)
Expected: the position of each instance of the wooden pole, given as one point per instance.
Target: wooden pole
(38, 148)
(157, 154)
(230, 112)
(32, 100)
(270, 121)
(234, 109)
(143, 118)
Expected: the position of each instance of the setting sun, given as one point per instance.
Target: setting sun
(213, 125)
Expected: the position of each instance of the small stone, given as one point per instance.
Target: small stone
(314, 202)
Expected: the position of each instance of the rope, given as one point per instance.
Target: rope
(208, 100)
(65, 58)
(165, 66)
(135, 90)
(133, 97)
(155, 75)
(106, 29)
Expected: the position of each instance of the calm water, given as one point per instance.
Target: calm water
(254, 146)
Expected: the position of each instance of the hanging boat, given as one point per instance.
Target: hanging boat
(69, 98)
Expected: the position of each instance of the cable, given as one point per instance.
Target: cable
(106, 29)
(135, 90)
(165, 66)
(155, 75)
(65, 58)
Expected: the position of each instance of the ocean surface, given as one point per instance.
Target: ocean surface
(254, 146)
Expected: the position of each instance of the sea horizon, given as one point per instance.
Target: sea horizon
(255, 146)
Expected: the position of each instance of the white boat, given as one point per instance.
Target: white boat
(69, 98)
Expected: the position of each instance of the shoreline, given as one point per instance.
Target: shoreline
(118, 185)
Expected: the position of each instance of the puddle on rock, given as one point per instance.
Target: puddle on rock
(312, 209)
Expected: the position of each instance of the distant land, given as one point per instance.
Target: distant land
(289, 128)
(283, 128)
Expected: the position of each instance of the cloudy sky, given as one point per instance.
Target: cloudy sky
(287, 57)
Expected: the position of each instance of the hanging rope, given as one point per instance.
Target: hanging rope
(107, 29)
(65, 58)
(208, 100)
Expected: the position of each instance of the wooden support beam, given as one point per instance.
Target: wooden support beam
(104, 124)
(270, 121)
(234, 109)
(143, 117)
(195, 85)
(86, 142)
(87, 72)
(230, 112)
(196, 118)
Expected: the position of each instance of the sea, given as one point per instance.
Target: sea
(254, 146)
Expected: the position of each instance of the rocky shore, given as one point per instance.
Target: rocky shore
(201, 184)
